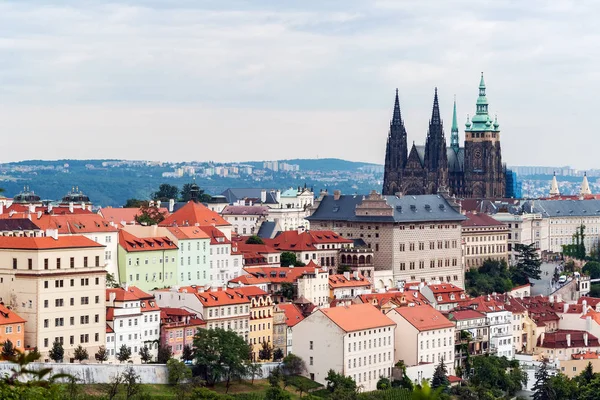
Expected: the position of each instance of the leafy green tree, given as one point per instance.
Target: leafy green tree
(35, 354)
(221, 354)
(254, 370)
(587, 375)
(124, 353)
(145, 354)
(497, 373)
(187, 353)
(132, 383)
(287, 259)
(80, 354)
(277, 354)
(542, 390)
(149, 215)
(594, 290)
(440, 377)
(288, 290)
(135, 203)
(592, 268)
(111, 282)
(8, 350)
(57, 352)
(166, 192)
(425, 392)
(164, 354)
(528, 264)
(293, 365)
(384, 383)
(178, 372)
(266, 352)
(254, 240)
(562, 387)
(590, 391)
(337, 381)
(101, 355)
(492, 276)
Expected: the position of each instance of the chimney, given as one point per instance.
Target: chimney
(49, 208)
(158, 203)
(565, 308)
(551, 299)
(278, 196)
(584, 304)
(356, 275)
(71, 207)
(588, 323)
(53, 233)
(83, 205)
(585, 339)
(1, 208)
(337, 194)
(112, 297)
(568, 340)
(31, 208)
(39, 214)
(171, 205)
(263, 196)
(347, 275)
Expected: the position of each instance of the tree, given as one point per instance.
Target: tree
(587, 374)
(254, 370)
(275, 392)
(340, 386)
(528, 264)
(132, 383)
(35, 354)
(277, 354)
(562, 387)
(592, 268)
(149, 215)
(293, 365)
(178, 372)
(111, 388)
(497, 374)
(440, 377)
(266, 352)
(492, 276)
(186, 194)
(254, 240)
(57, 352)
(124, 353)
(383, 383)
(8, 350)
(287, 259)
(542, 389)
(145, 355)
(111, 282)
(221, 354)
(81, 354)
(288, 290)
(188, 353)
(164, 354)
(135, 203)
(166, 192)
(101, 355)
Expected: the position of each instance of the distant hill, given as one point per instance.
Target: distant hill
(321, 164)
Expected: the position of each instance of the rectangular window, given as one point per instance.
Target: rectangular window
(14, 263)
(58, 263)
(30, 263)
(45, 263)
(85, 262)
(98, 259)
(72, 262)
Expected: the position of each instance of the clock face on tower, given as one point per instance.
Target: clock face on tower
(477, 154)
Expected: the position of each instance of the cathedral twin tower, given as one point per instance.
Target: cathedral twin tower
(475, 170)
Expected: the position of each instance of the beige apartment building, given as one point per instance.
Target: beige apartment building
(417, 237)
(483, 238)
(57, 284)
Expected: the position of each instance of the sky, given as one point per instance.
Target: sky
(193, 80)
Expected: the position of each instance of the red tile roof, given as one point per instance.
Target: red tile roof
(590, 301)
(243, 247)
(340, 281)
(127, 215)
(357, 317)
(251, 291)
(8, 316)
(588, 355)
(447, 293)
(461, 315)
(305, 241)
(187, 232)
(484, 304)
(396, 297)
(475, 219)
(133, 293)
(293, 315)
(178, 317)
(258, 275)
(216, 297)
(133, 243)
(109, 329)
(74, 223)
(558, 339)
(46, 243)
(424, 318)
(194, 214)
(215, 235)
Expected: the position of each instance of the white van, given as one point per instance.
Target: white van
(562, 279)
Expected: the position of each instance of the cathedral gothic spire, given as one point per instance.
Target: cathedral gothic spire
(454, 143)
(396, 151)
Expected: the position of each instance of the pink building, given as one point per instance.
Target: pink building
(177, 328)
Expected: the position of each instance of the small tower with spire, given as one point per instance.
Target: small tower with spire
(396, 152)
(454, 142)
(554, 192)
(585, 186)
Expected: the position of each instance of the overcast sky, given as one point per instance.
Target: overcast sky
(251, 80)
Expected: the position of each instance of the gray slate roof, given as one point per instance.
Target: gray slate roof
(456, 160)
(425, 208)
(234, 194)
(17, 224)
(563, 208)
(268, 230)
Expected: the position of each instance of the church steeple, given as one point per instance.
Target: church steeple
(454, 131)
(435, 145)
(481, 121)
(435, 114)
(554, 187)
(397, 117)
(585, 186)
(396, 152)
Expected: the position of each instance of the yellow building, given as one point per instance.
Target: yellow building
(261, 318)
(57, 284)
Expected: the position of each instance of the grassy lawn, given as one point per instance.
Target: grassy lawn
(156, 391)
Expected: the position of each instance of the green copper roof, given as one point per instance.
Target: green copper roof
(481, 121)
(454, 132)
(291, 192)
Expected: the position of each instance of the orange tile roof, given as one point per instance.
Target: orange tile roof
(293, 315)
(305, 241)
(424, 318)
(46, 243)
(251, 291)
(194, 213)
(127, 215)
(217, 297)
(590, 301)
(243, 247)
(461, 315)
(188, 232)
(357, 317)
(396, 297)
(215, 235)
(133, 243)
(74, 223)
(340, 281)
(109, 329)
(178, 317)
(258, 275)
(588, 355)
(133, 293)
(8, 316)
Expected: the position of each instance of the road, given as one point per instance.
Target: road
(543, 285)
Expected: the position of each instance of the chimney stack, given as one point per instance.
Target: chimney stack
(347, 275)
(584, 304)
(585, 338)
(71, 207)
(263, 196)
(171, 205)
(158, 203)
(568, 340)
(337, 194)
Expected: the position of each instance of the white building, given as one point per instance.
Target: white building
(194, 254)
(225, 261)
(245, 220)
(133, 320)
(499, 320)
(426, 336)
(356, 341)
(524, 229)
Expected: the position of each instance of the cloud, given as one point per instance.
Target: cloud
(319, 72)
